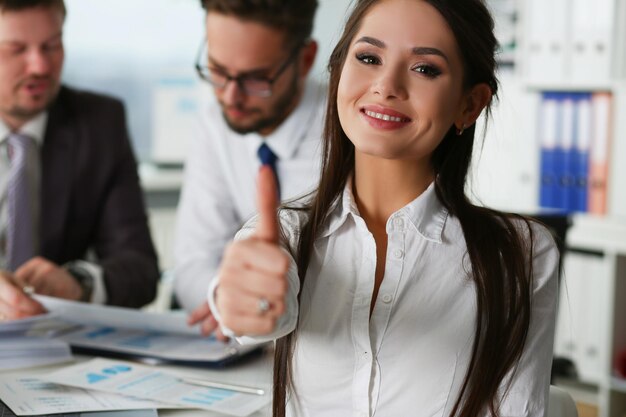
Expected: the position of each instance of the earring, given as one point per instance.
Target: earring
(459, 131)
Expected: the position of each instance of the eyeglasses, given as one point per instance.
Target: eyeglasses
(250, 84)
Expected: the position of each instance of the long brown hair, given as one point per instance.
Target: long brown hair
(495, 245)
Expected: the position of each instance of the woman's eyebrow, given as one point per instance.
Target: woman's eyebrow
(418, 50)
(372, 41)
(426, 50)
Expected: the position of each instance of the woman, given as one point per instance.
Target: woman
(399, 297)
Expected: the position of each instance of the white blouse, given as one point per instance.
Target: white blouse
(411, 356)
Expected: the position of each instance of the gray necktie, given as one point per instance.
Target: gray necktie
(20, 233)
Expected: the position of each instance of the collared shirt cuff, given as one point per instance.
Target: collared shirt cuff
(99, 293)
(213, 307)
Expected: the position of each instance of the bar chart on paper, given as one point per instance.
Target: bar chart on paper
(208, 398)
(26, 395)
(141, 381)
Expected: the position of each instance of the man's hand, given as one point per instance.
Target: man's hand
(208, 324)
(14, 303)
(48, 278)
(253, 274)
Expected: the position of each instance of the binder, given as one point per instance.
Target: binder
(564, 158)
(583, 69)
(591, 43)
(547, 29)
(602, 18)
(548, 138)
(581, 300)
(599, 165)
(582, 141)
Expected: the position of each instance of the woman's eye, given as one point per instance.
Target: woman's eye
(427, 70)
(368, 59)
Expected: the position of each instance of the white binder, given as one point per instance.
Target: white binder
(591, 41)
(546, 44)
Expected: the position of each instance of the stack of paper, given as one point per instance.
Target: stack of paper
(23, 352)
(19, 348)
(158, 337)
(26, 395)
(42, 325)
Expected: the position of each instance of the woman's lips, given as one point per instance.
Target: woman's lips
(384, 118)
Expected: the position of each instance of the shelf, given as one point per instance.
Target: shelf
(597, 233)
(570, 86)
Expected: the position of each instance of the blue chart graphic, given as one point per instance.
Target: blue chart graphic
(144, 341)
(106, 373)
(102, 331)
(208, 397)
(94, 378)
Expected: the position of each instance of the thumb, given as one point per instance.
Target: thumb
(267, 204)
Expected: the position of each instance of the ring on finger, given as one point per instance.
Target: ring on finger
(263, 306)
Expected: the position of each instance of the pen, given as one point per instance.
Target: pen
(221, 385)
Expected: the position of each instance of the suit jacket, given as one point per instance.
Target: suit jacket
(91, 198)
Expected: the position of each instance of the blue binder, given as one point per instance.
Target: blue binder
(565, 159)
(550, 158)
(582, 142)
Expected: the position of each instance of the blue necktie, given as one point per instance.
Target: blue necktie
(268, 157)
(20, 230)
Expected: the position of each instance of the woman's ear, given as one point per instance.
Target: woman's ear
(474, 102)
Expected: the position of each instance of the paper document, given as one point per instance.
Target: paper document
(6, 412)
(41, 325)
(93, 314)
(156, 345)
(122, 331)
(24, 352)
(142, 381)
(29, 395)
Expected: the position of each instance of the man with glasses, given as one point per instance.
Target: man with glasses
(256, 56)
(68, 178)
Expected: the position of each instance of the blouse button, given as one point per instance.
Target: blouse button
(399, 222)
(387, 298)
(398, 253)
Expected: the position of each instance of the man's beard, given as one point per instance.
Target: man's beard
(278, 114)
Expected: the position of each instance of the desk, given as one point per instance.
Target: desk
(255, 371)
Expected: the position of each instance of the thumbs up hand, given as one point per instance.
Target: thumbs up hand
(252, 286)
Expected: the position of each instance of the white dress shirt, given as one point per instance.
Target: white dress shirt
(35, 129)
(411, 356)
(219, 188)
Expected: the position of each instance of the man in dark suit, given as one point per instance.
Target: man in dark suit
(72, 217)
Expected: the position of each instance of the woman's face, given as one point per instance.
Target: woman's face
(400, 89)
